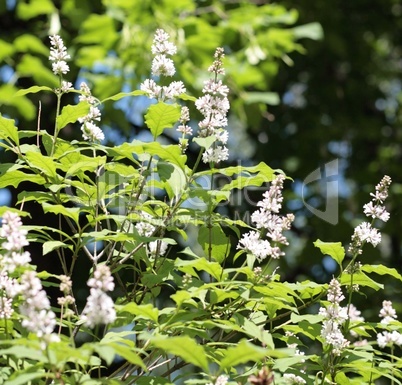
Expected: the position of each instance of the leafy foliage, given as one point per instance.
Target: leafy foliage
(192, 304)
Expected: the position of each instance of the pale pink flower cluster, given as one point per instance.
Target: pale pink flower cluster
(99, 309)
(221, 380)
(162, 65)
(146, 229)
(90, 131)
(15, 240)
(270, 223)
(388, 314)
(214, 106)
(375, 209)
(58, 55)
(13, 258)
(38, 316)
(365, 232)
(334, 316)
(291, 378)
(9, 288)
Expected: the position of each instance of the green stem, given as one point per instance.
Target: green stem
(56, 130)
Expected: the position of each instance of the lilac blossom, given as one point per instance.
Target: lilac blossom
(99, 309)
(15, 240)
(90, 131)
(38, 316)
(271, 224)
(334, 316)
(387, 313)
(365, 232)
(291, 378)
(58, 55)
(214, 106)
(162, 65)
(221, 380)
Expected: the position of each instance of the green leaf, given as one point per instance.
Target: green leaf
(128, 353)
(52, 245)
(122, 95)
(360, 279)
(71, 212)
(29, 10)
(216, 239)
(184, 347)
(71, 113)
(23, 105)
(32, 90)
(141, 311)
(205, 142)
(8, 130)
(341, 379)
(26, 378)
(42, 163)
(242, 353)
(333, 249)
(201, 264)
(15, 177)
(311, 31)
(161, 116)
(30, 43)
(173, 176)
(382, 270)
(271, 98)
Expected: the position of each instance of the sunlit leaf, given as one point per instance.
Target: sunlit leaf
(242, 353)
(70, 114)
(333, 249)
(184, 347)
(161, 116)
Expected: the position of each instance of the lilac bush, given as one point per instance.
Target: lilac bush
(178, 293)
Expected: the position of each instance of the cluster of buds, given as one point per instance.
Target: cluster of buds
(365, 232)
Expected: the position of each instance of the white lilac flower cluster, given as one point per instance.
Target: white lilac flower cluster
(221, 380)
(58, 55)
(291, 378)
(162, 65)
(365, 232)
(334, 316)
(14, 257)
(90, 131)
(99, 309)
(38, 316)
(388, 314)
(146, 229)
(15, 240)
(270, 223)
(214, 106)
